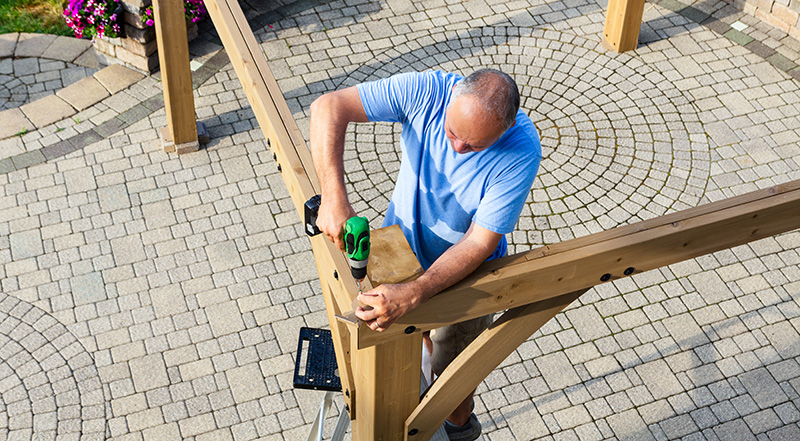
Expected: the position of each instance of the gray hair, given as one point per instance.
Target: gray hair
(497, 92)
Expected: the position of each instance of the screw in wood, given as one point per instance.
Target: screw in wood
(335, 275)
(412, 432)
(410, 329)
(629, 271)
(605, 277)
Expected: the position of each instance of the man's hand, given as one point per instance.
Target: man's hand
(331, 219)
(389, 303)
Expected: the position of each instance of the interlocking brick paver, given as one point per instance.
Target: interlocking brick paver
(168, 301)
(13, 121)
(8, 42)
(127, 250)
(224, 318)
(66, 48)
(117, 77)
(32, 45)
(684, 329)
(557, 371)
(83, 93)
(47, 110)
(762, 387)
(628, 425)
(26, 244)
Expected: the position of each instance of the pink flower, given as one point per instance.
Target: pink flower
(150, 22)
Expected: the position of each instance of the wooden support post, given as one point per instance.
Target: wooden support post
(387, 382)
(623, 22)
(180, 135)
(340, 333)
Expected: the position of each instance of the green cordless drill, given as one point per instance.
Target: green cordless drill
(356, 243)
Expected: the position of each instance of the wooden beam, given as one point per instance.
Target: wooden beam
(584, 262)
(623, 22)
(273, 115)
(280, 131)
(176, 77)
(478, 360)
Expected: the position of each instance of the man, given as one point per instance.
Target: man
(469, 160)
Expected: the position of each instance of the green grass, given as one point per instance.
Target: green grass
(38, 16)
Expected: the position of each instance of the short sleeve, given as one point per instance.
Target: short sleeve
(502, 204)
(396, 98)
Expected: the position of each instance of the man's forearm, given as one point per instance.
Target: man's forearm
(457, 262)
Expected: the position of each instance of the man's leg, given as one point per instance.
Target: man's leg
(447, 343)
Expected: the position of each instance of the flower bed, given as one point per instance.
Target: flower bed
(94, 18)
(122, 30)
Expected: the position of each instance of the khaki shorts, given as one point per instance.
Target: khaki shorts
(449, 341)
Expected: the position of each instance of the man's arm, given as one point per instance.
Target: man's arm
(330, 115)
(390, 302)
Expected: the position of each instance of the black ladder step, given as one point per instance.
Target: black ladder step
(315, 366)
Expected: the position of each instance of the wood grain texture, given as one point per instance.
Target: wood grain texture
(176, 76)
(623, 22)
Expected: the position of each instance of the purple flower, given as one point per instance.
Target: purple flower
(150, 22)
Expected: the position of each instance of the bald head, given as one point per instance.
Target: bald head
(495, 91)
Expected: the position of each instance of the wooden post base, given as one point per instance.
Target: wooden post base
(170, 147)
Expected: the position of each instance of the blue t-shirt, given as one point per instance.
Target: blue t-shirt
(440, 192)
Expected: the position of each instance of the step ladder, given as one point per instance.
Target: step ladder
(315, 368)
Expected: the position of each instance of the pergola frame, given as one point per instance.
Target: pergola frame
(380, 372)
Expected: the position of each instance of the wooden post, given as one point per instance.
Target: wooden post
(623, 21)
(180, 135)
(387, 385)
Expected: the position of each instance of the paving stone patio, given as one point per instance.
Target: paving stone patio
(149, 296)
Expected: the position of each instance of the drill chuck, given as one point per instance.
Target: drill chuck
(358, 268)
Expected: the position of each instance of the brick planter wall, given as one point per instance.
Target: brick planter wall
(138, 49)
(782, 14)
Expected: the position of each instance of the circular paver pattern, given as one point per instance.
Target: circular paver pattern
(620, 142)
(49, 385)
(23, 80)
